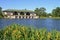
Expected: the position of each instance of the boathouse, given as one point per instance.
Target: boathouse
(10, 13)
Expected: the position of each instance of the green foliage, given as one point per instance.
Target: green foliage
(18, 32)
(1, 13)
(56, 12)
(0, 9)
(41, 12)
(49, 14)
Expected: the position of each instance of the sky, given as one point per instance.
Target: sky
(30, 4)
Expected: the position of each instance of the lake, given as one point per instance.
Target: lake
(48, 23)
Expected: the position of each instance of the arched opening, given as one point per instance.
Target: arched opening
(15, 13)
(16, 16)
(21, 13)
(27, 13)
(19, 16)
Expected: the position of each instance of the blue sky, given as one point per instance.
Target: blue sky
(30, 4)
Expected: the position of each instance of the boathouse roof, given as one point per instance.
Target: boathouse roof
(14, 10)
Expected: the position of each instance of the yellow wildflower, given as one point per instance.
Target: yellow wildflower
(14, 31)
(49, 35)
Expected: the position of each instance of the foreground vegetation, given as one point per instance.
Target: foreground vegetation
(18, 32)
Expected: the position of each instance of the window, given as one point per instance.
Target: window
(15, 13)
(21, 13)
(27, 13)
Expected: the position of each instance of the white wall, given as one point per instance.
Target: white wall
(5, 13)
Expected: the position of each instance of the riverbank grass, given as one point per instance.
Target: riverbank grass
(18, 32)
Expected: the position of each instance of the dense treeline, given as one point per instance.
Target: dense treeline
(41, 12)
(56, 12)
(1, 15)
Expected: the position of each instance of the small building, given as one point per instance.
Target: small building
(19, 14)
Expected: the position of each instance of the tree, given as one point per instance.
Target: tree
(49, 14)
(0, 10)
(37, 11)
(56, 12)
(40, 11)
(1, 13)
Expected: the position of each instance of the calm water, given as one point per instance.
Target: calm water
(38, 23)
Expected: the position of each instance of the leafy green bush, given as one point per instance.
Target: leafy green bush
(18, 32)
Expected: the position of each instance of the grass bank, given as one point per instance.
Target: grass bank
(18, 32)
(55, 17)
(50, 17)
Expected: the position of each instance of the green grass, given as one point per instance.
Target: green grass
(50, 17)
(19, 32)
(55, 17)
